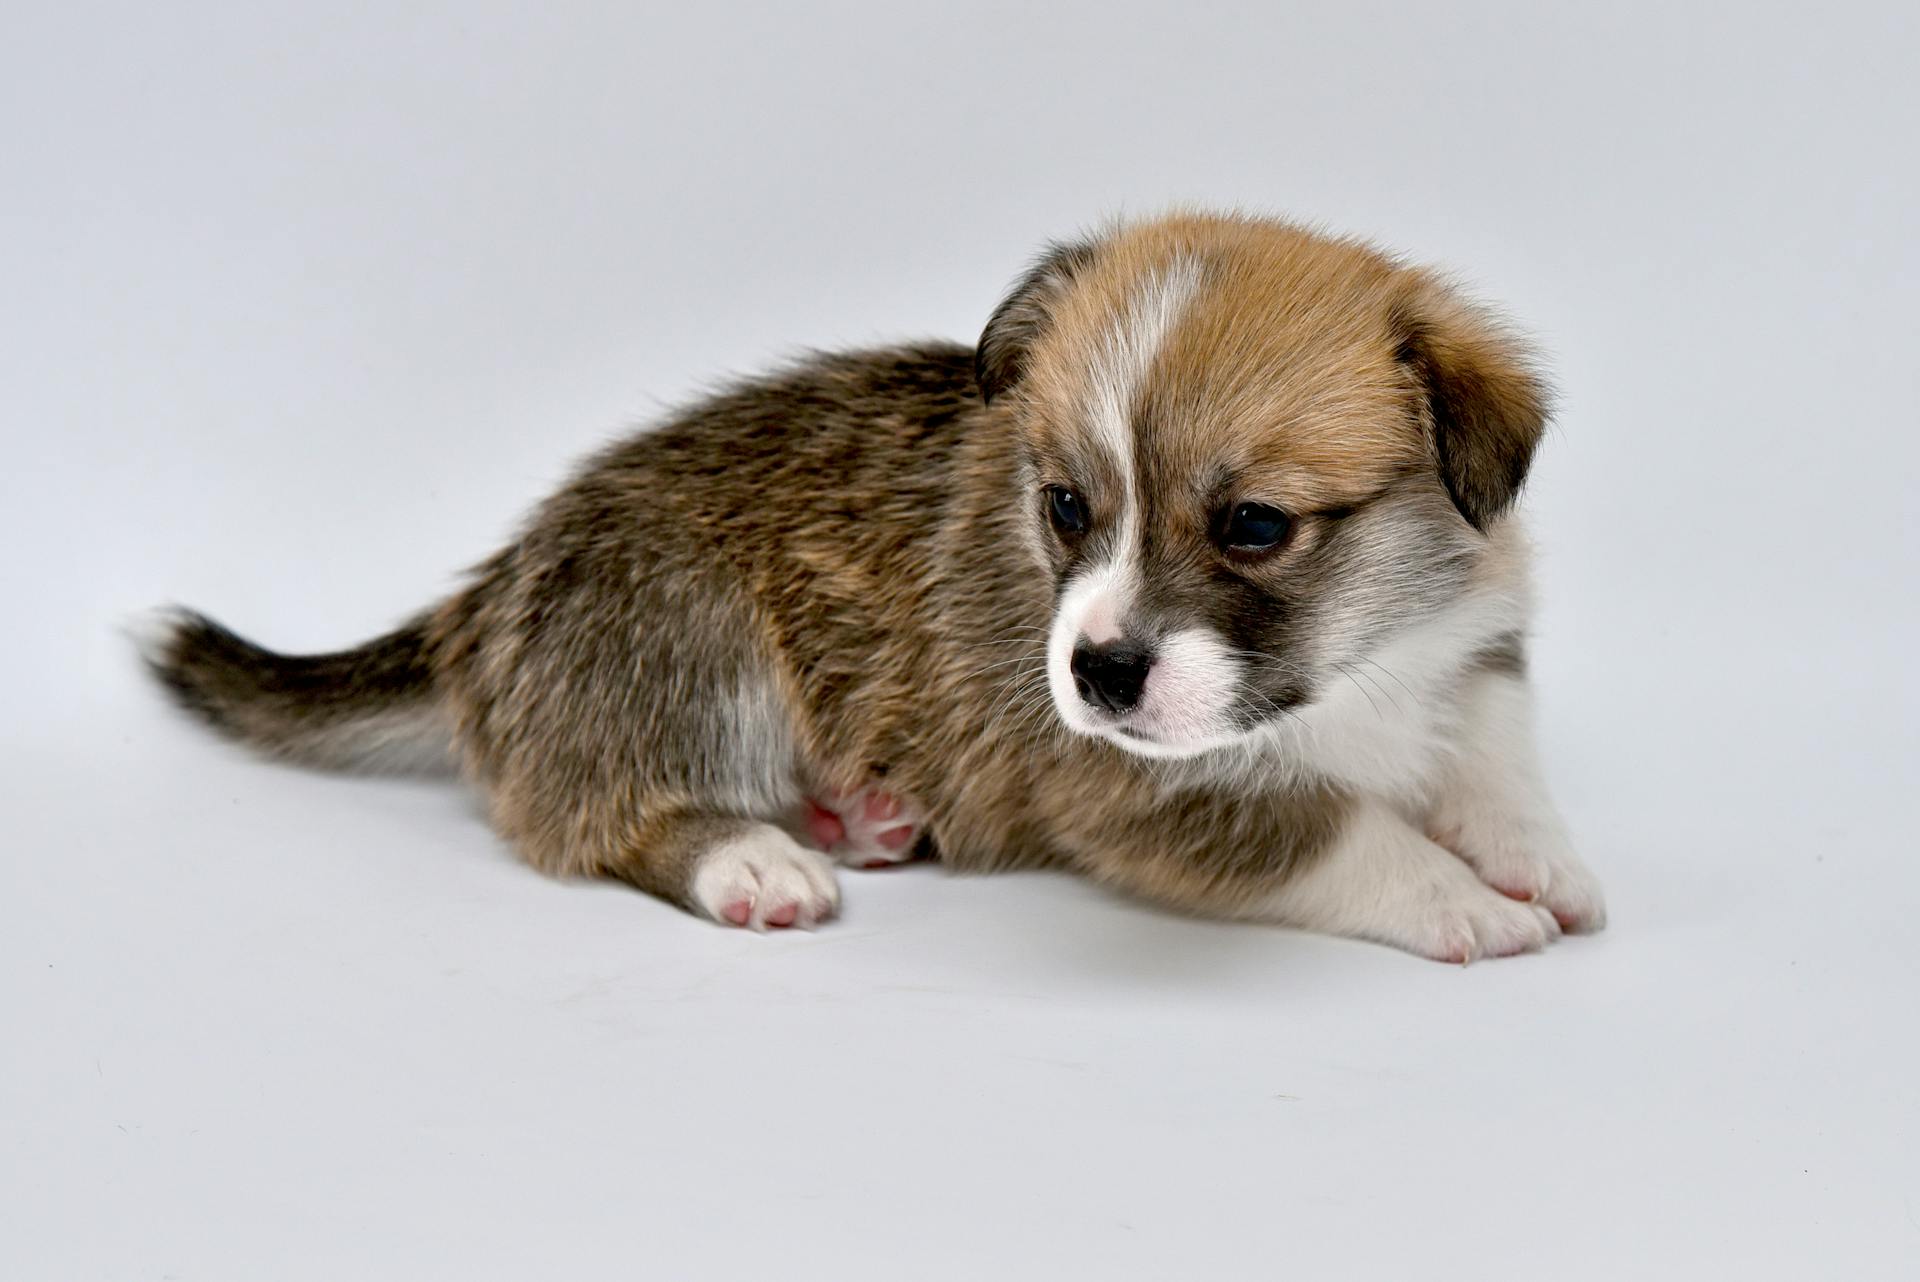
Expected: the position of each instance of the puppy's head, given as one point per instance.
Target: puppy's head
(1250, 456)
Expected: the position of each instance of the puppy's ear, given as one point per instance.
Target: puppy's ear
(1485, 403)
(1024, 314)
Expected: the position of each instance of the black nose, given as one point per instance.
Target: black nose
(1110, 676)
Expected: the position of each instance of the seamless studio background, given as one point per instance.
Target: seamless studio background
(305, 305)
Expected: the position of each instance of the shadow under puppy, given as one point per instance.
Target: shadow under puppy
(1198, 577)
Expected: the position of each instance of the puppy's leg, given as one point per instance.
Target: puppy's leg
(612, 744)
(739, 872)
(1493, 809)
(1380, 879)
(1338, 863)
(733, 870)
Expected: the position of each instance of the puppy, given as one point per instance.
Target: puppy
(1198, 576)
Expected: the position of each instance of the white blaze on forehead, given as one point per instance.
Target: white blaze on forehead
(1115, 381)
(1126, 355)
(1096, 603)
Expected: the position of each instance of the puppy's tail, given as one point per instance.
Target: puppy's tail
(373, 708)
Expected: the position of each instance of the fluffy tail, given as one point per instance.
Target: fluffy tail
(372, 708)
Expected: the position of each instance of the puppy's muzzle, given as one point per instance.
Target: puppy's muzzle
(1110, 677)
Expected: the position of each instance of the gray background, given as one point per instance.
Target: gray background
(304, 306)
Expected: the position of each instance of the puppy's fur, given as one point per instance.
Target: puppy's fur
(855, 573)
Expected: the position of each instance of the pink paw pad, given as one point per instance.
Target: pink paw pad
(869, 828)
(824, 826)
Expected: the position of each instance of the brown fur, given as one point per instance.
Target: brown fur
(829, 576)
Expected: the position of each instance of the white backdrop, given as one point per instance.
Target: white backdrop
(303, 306)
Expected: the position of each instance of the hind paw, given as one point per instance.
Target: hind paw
(765, 880)
(865, 829)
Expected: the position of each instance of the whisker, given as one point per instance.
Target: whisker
(1384, 692)
(1341, 668)
(1395, 677)
(1018, 658)
(1020, 688)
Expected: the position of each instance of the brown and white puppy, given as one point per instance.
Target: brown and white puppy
(1198, 576)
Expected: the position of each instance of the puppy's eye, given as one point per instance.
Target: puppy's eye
(1065, 510)
(1254, 527)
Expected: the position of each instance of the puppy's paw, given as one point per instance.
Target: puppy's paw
(765, 880)
(1382, 880)
(865, 829)
(1470, 924)
(1529, 862)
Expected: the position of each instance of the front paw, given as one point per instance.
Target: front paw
(1383, 880)
(1531, 862)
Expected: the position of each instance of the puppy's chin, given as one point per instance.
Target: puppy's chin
(1140, 737)
(1143, 744)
